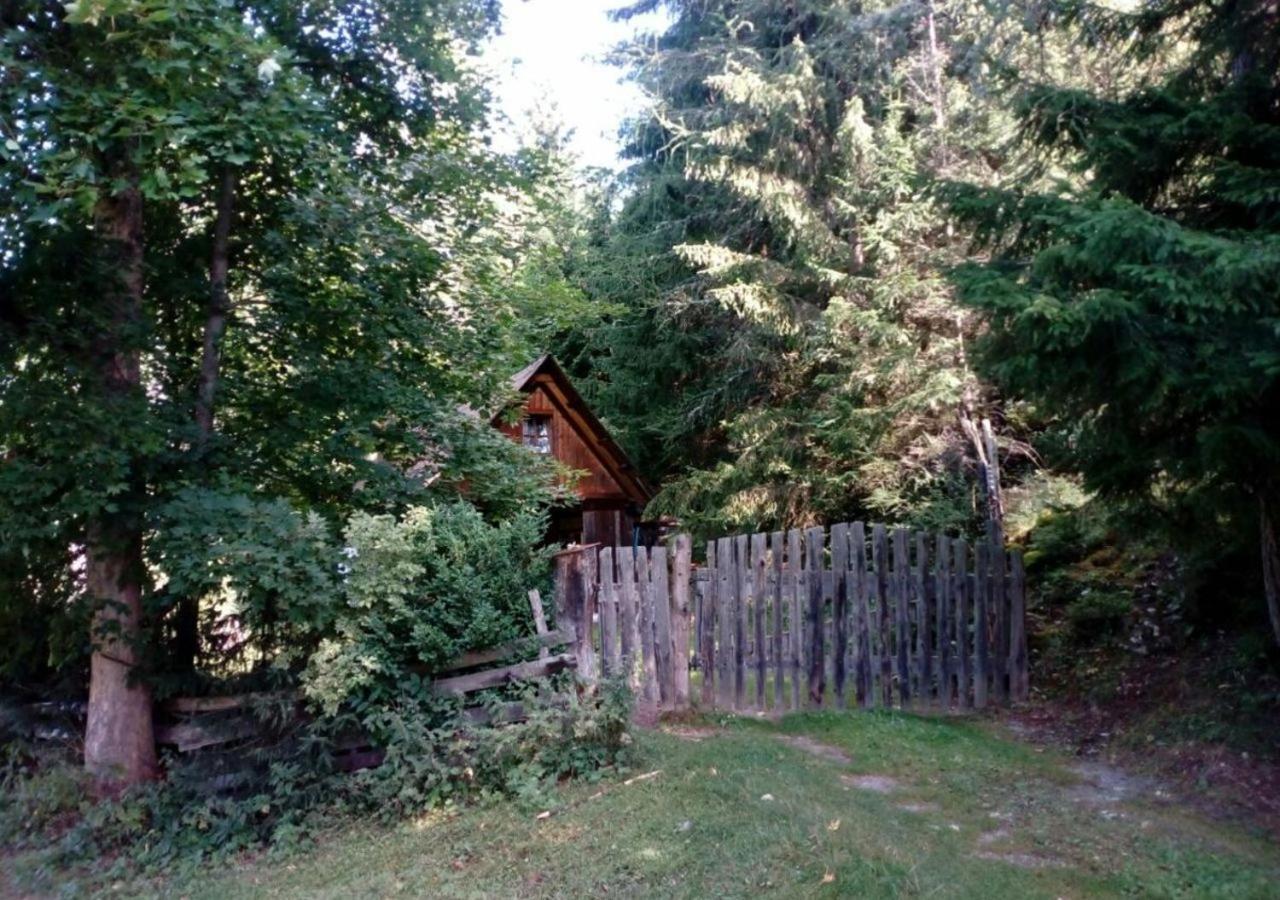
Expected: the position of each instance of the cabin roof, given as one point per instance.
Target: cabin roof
(545, 370)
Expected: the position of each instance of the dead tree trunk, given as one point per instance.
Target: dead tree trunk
(938, 98)
(983, 439)
(119, 744)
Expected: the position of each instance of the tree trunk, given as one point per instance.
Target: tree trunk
(1267, 508)
(119, 744)
(983, 440)
(216, 312)
(187, 621)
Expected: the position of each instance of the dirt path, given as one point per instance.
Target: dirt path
(1224, 785)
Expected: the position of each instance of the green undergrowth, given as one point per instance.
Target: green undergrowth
(1141, 640)
(279, 802)
(741, 807)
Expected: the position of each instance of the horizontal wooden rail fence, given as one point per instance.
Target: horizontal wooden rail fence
(851, 615)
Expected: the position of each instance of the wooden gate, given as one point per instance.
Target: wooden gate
(639, 600)
(849, 615)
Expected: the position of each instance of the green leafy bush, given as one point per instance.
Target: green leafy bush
(282, 597)
(562, 736)
(266, 573)
(419, 589)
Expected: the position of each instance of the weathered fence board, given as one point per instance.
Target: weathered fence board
(814, 539)
(1020, 684)
(478, 681)
(981, 626)
(707, 638)
(863, 619)
(1000, 600)
(630, 595)
(776, 541)
(649, 660)
(925, 599)
(944, 620)
(960, 590)
(794, 587)
(610, 651)
(840, 609)
(723, 654)
(741, 595)
(565, 634)
(681, 588)
(659, 577)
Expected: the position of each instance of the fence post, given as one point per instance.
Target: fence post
(576, 578)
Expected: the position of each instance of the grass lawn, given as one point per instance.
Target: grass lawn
(745, 808)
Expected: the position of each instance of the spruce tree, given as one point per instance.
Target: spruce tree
(792, 352)
(1142, 308)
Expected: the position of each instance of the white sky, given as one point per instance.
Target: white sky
(554, 49)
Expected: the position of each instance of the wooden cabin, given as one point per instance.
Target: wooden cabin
(556, 420)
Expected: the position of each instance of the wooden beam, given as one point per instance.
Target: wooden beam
(565, 634)
(189, 705)
(194, 735)
(478, 681)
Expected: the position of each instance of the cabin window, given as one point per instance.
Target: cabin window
(537, 433)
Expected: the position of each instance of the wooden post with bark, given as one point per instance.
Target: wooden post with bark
(576, 578)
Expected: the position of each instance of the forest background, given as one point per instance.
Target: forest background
(259, 262)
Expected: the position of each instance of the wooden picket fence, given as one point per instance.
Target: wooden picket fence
(849, 615)
(640, 601)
